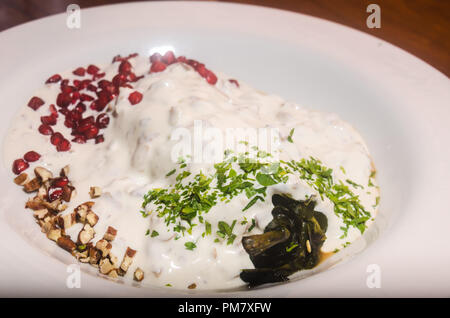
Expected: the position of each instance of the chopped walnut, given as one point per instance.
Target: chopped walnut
(91, 218)
(86, 234)
(138, 274)
(21, 179)
(43, 174)
(126, 261)
(32, 186)
(105, 266)
(103, 246)
(95, 192)
(110, 234)
(66, 243)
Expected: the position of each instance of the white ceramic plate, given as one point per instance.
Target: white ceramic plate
(398, 103)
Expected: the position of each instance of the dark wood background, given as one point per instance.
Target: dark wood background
(421, 27)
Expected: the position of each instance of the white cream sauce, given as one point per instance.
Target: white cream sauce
(136, 156)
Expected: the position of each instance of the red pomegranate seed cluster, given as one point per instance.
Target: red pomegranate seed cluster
(160, 62)
(89, 89)
(19, 165)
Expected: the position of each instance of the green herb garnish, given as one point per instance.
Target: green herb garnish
(190, 246)
(289, 138)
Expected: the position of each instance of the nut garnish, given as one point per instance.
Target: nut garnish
(68, 193)
(67, 220)
(21, 179)
(94, 255)
(43, 174)
(40, 214)
(65, 171)
(54, 234)
(138, 275)
(91, 218)
(32, 185)
(47, 206)
(104, 247)
(110, 234)
(126, 262)
(95, 192)
(113, 273)
(86, 234)
(66, 243)
(105, 266)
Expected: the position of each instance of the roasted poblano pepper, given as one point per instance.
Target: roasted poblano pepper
(291, 241)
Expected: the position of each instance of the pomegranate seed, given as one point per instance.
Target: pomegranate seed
(181, 59)
(64, 111)
(53, 79)
(19, 165)
(80, 108)
(92, 69)
(211, 78)
(63, 145)
(103, 84)
(86, 97)
(201, 69)
(63, 100)
(69, 123)
(35, 102)
(80, 71)
(91, 132)
(233, 81)
(60, 182)
(84, 128)
(56, 138)
(169, 58)
(64, 82)
(80, 139)
(104, 97)
(119, 80)
(45, 129)
(77, 84)
(92, 88)
(87, 121)
(53, 110)
(99, 139)
(93, 105)
(75, 97)
(54, 193)
(192, 63)
(67, 89)
(48, 120)
(157, 67)
(85, 83)
(31, 156)
(98, 75)
(156, 57)
(125, 67)
(102, 121)
(135, 98)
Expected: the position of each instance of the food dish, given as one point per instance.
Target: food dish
(393, 168)
(136, 129)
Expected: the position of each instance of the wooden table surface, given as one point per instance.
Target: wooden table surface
(421, 27)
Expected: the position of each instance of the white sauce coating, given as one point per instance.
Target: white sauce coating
(136, 156)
